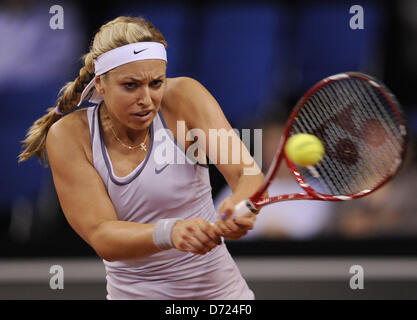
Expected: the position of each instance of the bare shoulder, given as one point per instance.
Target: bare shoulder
(183, 89)
(70, 133)
(188, 99)
(181, 83)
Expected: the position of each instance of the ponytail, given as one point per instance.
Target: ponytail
(69, 95)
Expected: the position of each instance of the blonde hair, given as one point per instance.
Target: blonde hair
(118, 32)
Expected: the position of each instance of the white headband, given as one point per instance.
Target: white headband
(119, 56)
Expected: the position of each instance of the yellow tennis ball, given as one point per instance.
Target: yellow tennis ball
(304, 149)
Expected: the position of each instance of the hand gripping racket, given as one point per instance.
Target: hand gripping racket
(360, 124)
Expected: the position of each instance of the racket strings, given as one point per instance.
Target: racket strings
(388, 114)
(308, 118)
(377, 164)
(360, 119)
(395, 142)
(321, 105)
(329, 171)
(340, 133)
(386, 125)
(338, 172)
(379, 161)
(361, 133)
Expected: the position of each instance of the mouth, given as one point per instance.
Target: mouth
(144, 115)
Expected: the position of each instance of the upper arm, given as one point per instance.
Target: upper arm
(204, 116)
(81, 192)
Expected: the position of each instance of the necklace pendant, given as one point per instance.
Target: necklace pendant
(143, 146)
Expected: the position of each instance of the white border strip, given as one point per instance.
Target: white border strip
(37, 270)
(257, 268)
(326, 268)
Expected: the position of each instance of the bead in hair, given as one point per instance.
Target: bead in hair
(58, 112)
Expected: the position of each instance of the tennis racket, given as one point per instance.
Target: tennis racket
(360, 124)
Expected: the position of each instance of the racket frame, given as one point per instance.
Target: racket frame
(257, 200)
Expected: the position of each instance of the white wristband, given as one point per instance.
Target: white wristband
(162, 233)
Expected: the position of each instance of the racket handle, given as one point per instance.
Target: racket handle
(244, 208)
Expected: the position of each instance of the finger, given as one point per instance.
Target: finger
(209, 229)
(222, 228)
(192, 243)
(219, 231)
(187, 240)
(186, 243)
(202, 233)
(229, 234)
(197, 245)
(245, 222)
(233, 234)
(205, 240)
(237, 236)
(232, 226)
(211, 232)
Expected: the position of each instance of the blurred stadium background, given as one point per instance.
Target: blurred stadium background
(251, 56)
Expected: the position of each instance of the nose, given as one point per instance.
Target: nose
(144, 97)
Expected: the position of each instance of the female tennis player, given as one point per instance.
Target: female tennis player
(154, 226)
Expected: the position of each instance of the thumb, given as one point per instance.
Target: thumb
(226, 208)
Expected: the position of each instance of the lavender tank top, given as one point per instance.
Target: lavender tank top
(154, 191)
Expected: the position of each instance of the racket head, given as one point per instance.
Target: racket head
(360, 123)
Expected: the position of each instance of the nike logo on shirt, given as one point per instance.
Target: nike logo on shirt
(161, 168)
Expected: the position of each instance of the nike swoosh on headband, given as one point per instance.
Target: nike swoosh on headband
(134, 51)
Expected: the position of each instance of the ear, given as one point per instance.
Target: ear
(99, 85)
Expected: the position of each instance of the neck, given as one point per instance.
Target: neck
(118, 131)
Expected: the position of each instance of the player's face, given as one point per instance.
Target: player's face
(133, 92)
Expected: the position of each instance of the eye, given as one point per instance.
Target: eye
(129, 85)
(156, 83)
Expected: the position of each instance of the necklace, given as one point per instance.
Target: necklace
(142, 145)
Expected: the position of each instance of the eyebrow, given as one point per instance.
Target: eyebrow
(139, 80)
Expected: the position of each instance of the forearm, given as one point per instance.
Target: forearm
(122, 240)
(246, 185)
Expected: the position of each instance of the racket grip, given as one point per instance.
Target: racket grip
(244, 208)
